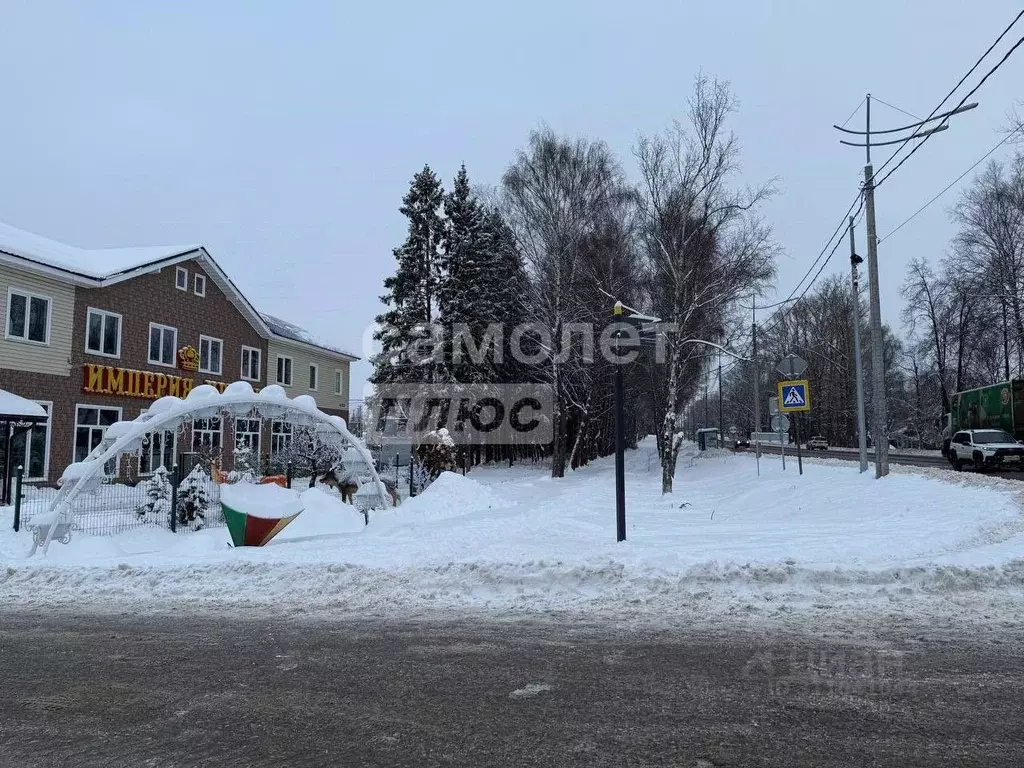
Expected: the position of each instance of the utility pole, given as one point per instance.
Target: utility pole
(878, 406)
(862, 436)
(757, 388)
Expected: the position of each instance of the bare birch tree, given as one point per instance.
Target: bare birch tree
(705, 245)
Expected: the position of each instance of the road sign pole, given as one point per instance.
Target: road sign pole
(782, 446)
(799, 453)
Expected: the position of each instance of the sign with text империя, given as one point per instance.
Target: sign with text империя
(145, 385)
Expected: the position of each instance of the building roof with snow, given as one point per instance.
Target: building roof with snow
(16, 407)
(106, 266)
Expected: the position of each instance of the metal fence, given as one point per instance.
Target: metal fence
(118, 506)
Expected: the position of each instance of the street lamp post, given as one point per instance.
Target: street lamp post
(637, 320)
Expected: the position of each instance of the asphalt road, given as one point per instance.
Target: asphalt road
(165, 692)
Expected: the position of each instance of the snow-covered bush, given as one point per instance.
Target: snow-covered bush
(436, 454)
(194, 498)
(158, 495)
(247, 465)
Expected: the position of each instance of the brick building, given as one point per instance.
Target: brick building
(94, 336)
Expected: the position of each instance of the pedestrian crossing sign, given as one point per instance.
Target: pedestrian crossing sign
(794, 396)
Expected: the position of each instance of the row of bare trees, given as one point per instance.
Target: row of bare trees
(963, 327)
(684, 245)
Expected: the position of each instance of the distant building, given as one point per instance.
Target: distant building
(93, 335)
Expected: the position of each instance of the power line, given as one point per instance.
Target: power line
(863, 99)
(954, 90)
(951, 184)
(892, 106)
(962, 102)
(766, 327)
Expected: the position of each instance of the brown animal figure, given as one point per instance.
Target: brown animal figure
(347, 487)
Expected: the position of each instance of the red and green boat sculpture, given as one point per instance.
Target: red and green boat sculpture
(257, 513)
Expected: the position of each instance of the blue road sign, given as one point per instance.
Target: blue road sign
(794, 396)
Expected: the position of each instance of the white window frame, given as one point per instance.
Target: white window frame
(219, 432)
(26, 461)
(197, 281)
(314, 377)
(258, 443)
(103, 313)
(279, 369)
(74, 429)
(281, 433)
(220, 357)
(29, 295)
(339, 379)
(259, 357)
(174, 451)
(179, 283)
(174, 346)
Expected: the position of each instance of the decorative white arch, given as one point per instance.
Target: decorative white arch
(168, 413)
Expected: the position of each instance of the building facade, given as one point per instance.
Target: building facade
(95, 336)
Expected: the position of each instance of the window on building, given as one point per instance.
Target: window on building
(280, 437)
(91, 422)
(206, 435)
(211, 354)
(338, 381)
(284, 370)
(30, 449)
(250, 363)
(247, 434)
(200, 286)
(181, 279)
(158, 451)
(103, 333)
(163, 340)
(28, 316)
(314, 374)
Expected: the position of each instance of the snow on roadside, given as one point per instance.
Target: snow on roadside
(726, 543)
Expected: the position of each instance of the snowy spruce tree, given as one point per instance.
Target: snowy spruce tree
(411, 295)
(464, 289)
(194, 498)
(158, 495)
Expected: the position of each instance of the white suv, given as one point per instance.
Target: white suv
(985, 449)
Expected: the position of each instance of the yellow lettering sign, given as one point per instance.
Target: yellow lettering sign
(107, 380)
(115, 381)
(94, 377)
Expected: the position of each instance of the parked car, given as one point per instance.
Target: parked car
(985, 449)
(817, 443)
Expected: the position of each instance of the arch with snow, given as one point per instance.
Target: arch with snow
(238, 400)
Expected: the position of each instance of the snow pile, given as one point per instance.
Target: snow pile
(725, 543)
(450, 495)
(269, 501)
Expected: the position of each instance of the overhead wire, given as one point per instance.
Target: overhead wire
(951, 184)
(963, 101)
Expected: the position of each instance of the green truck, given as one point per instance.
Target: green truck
(997, 406)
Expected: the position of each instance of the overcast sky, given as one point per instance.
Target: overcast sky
(282, 135)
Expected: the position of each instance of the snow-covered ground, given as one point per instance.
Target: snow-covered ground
(726, 545)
